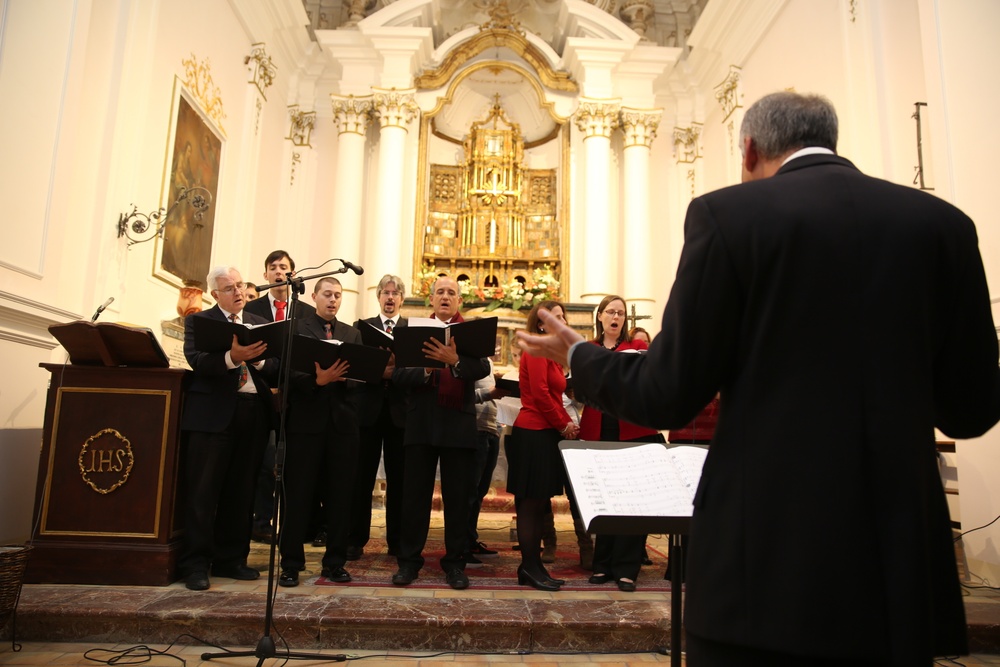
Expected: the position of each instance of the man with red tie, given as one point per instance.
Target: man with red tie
(227, 416)
(278, 268)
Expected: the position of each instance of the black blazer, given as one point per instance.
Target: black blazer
(312, 409)
(372, 395)
(262, 306)
(210, 399)
(428, 423)
(842, 317)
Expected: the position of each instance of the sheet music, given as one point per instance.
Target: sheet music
(644, 480)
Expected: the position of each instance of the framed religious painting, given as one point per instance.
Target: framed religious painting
(190, 193)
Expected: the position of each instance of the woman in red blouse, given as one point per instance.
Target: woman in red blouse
(616, 557)
(535, 471)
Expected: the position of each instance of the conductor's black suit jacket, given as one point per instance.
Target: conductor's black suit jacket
(843, 318)
(210, 399)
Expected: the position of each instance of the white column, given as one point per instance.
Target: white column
(395, 109)
(597, 119)
(639, 127)
(352, 116)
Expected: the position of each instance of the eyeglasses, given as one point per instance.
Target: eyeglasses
(232, 288)
(615, 313)
(392, 293)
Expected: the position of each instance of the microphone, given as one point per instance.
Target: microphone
(100, 308)
(353, 267)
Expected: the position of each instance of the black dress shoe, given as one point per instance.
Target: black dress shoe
(404, 576)
(288, 578)
(262, 535)
(557, 582)
(626, 586)
(355, 553)
(456, 579)
(241, 572)
(525, 578)
(320, 539)
(197, 581)
(600, 578)
(337, 574)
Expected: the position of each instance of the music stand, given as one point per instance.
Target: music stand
(632, 524)
(266, 648)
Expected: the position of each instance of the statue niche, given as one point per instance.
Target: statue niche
(489, 219)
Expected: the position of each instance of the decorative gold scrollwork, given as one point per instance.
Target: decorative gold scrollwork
(100, 459)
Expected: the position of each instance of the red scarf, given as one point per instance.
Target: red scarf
(451, 390)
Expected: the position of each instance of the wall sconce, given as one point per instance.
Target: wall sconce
(141, 227)
(302, 126)
(263, 70)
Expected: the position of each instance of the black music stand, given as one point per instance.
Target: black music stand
(266, 648)
(632, 524)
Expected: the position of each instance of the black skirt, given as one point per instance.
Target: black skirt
(534, 466)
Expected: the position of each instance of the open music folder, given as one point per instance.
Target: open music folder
(474, 338)
(628, 488)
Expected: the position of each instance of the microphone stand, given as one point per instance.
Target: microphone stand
(265, 648)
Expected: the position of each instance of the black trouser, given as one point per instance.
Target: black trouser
(220, 472)
(487, 453)
(382, 440)
(421, 463)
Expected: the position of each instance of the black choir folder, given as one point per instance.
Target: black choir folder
(375, 337)
(473, 338)
(365, 364)
(212, 335)
(627, 488)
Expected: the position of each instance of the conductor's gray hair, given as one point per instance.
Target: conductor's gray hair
(782, 123)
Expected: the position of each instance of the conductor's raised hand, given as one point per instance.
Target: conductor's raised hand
(335, 373)
(438, 351)
(552, 345)
(240, 353)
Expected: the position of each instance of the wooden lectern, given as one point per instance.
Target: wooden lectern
(106, 504)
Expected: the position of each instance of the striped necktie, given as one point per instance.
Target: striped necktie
(243, 367)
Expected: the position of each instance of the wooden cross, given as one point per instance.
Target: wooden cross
(631, 319)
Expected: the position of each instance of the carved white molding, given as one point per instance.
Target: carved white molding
(686, 146)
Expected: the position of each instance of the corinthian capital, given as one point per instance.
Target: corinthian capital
(394, 108)
(352, 114)
(640, 126)
(597, 118)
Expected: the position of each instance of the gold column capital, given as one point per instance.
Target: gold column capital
(686, 146)
(597, 118)
(640, 125)
(352, 114)
(394, 107)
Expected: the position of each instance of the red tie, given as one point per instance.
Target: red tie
(329, 331)
(388, 326)
(243, 367)
(279, 308)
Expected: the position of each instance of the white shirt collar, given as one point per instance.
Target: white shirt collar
(811, 150)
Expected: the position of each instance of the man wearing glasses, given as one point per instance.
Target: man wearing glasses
(382, 415)
(226, 419)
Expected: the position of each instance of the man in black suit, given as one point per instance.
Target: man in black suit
(382, 415)
(322, 429)
(841, 318)
(278, 268)
(227, 416)
(440, 427)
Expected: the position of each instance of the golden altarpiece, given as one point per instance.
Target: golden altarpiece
(490, 220)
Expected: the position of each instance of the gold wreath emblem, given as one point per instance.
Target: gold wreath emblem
(119, 460)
